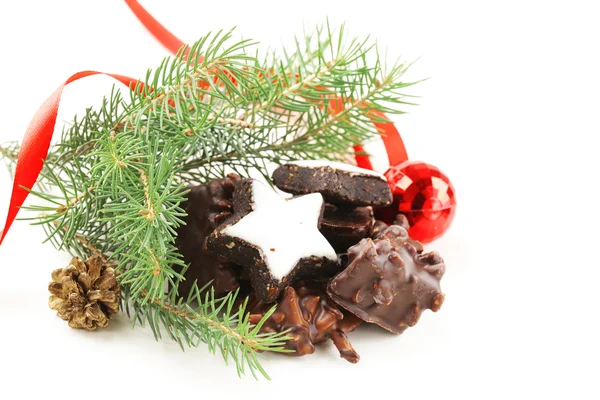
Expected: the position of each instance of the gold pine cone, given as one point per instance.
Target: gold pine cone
(85, 293)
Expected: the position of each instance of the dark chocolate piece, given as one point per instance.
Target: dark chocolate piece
(312, 318)
(207, 206)
(277, 240)
(387, 282)
(402, 221)
(336, 184)
(380, 227)
(344, 227)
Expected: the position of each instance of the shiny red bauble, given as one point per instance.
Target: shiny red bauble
(424, 195)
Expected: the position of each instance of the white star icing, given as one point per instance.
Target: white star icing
(284, 230)
(353, 169)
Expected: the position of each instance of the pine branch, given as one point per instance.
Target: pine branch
(93, 250)
(118, 176)
(73, 202)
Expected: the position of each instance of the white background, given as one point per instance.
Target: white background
(510, 114)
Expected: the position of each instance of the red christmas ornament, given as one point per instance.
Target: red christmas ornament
(424, 195)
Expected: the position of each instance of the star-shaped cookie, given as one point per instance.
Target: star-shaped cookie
(277, 239)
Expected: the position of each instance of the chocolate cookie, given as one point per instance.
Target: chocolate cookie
(276, 239)
(387, 282)
(206, 207)
(338, 183)
(344, 227)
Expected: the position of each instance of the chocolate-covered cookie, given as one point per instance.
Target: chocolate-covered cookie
(387, 281)
(206, 207)
(379, 227)
(344, 227)
(312, 318)
(338, 183)
(276, 239)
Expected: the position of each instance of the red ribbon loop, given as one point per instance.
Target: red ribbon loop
(36, 144)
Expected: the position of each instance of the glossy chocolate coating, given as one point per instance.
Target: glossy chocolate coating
(380, 227)
(312, 318)
(207, 206)
(388, 282)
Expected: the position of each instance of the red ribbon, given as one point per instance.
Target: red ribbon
(166, 38)
(36, 143)
(38, 135)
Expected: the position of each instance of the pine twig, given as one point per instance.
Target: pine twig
(149, 212)
(295, 88)
(9, 152)
(253, 344)
(86, 243)
(5, 152)
(73, 202)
